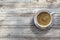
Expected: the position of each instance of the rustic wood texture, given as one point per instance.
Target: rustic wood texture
(16, 22)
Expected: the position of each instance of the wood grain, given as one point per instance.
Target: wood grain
(18, 27)
(16, 20)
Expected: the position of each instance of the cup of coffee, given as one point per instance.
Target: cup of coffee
(43, 19)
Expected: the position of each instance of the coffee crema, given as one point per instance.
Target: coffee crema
(44, 18)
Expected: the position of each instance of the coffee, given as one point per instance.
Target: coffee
(44, 18)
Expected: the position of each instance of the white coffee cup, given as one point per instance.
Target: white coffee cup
(41, 26)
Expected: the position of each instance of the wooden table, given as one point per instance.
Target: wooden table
(16, 23)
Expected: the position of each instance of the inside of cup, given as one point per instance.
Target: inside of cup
(44, 19)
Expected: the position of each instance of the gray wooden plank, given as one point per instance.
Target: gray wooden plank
(26, 10)
(17, 32)
(20, 3)
(26, 26)
(17, 21)
(30, 3)
(30, 38)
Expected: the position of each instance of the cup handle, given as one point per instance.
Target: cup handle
(52, 13)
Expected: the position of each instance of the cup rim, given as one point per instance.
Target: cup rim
(35, 19)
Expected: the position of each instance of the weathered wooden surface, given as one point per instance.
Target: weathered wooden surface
(28, 3)
(17, 24)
